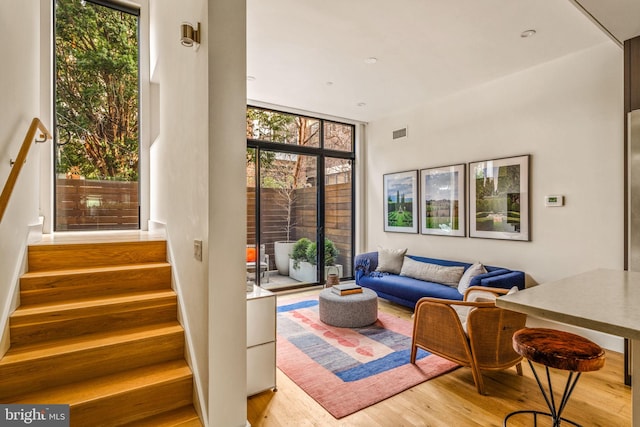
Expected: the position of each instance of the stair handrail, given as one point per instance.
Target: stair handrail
(36, 124)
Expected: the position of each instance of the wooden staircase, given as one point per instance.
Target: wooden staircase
(97, 329)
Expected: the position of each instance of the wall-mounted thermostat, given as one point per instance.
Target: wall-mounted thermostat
(554, 200)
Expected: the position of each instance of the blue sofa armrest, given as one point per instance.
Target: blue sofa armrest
(364, 264)
(501, 278)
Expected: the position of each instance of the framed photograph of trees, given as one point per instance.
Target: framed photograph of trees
(442, 200)
(401, 202)
(499, 198)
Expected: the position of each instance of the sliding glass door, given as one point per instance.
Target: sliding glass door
(304, 169)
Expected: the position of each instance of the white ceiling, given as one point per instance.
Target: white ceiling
(310, 54)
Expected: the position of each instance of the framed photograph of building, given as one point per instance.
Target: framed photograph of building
(401, 202)
(442, 200)
(499, 198)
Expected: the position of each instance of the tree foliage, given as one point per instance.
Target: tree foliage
(96, 90)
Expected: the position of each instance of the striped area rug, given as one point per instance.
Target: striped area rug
(346, 370)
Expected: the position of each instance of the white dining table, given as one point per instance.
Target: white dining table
(602, 300)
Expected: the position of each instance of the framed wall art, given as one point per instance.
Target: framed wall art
(400, 192)
(499, 198)
(442, 201)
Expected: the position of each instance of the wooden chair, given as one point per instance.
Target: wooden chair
(473, 332)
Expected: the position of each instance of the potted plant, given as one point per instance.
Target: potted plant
(304, 258)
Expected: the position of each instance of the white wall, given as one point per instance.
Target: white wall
(568, 114)
(227, 213)
(19, 104)
(179, 166)
(198, 172)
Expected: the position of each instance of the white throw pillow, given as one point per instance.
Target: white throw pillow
(449, 276)
(473, 271)
(477, 296)
(390, 260)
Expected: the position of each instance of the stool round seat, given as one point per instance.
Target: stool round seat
(558, 349)
(348, 311)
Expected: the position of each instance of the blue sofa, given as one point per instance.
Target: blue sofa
(407, 291)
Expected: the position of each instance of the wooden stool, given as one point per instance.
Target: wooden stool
(560, 350)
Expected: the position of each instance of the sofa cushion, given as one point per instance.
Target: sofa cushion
(449, 276)
(390, 260)
(473, 271)
(251, 254)
(407, 290)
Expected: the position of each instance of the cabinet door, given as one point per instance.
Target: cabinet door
(261, 320)
(261, 368)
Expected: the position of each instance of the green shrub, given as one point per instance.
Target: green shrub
(306, 250)
(330, 253)
(299, 251)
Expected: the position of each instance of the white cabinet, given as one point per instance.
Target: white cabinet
(261, 341)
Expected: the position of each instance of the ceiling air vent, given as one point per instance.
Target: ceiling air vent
(400, 134)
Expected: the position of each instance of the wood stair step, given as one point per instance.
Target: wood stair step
(162, 391)
(78, 255)
(63, 285)
(181, 417)
(42, 322)
(33, 367)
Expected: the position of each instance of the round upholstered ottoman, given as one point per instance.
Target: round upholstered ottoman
(348, 311)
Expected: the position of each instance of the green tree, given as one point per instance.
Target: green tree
(509, 179)
(96, 90)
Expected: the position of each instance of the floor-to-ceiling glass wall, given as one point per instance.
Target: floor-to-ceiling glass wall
(96, 115)
(304, 169)
(338, 196)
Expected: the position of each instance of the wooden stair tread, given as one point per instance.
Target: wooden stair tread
(84, 270)
(80, 255)
(84, 303)
(68, 345)
(181, 417)
(84, 391)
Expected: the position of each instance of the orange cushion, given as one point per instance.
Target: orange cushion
(251, 254)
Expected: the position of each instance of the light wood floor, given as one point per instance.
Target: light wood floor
(600, 399)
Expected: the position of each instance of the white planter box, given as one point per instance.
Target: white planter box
(282, 251)
(306, 272)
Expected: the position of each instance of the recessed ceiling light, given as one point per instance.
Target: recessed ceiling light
(371, 60)
(361, 104)
(250, 78)
(528, 33)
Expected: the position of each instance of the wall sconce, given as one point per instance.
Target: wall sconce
(189, 35)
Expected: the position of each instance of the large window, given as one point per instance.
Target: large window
(299, 192)
(96, 115)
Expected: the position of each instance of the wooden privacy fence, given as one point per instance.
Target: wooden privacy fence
(96, 205)
(338, 210)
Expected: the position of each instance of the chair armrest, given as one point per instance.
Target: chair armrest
(495, 292)
(451, 302)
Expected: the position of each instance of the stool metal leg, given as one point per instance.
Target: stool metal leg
(554, 413)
